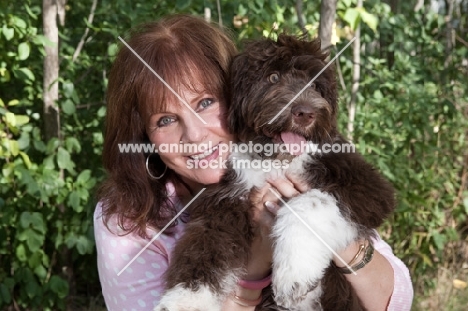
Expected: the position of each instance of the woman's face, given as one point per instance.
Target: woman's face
(195, 154)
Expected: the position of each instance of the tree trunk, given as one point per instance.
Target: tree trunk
(356, 77)
(51, 70)
(327, 18)
(300, 20)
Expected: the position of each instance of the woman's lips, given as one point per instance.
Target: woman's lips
(208, 155)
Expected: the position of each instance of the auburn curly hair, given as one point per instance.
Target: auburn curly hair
(186, 52)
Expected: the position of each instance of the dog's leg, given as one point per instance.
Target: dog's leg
(303, 243)
(209, 258)
(200, 275)
(180, 298)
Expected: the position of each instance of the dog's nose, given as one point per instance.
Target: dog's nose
(302, 114)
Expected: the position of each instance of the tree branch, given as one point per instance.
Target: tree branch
(220, 19)
(80, 45)
(300, 20)
(327, 18)
(51, 71)
(356, 77)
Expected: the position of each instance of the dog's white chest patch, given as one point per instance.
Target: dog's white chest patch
(253, 172)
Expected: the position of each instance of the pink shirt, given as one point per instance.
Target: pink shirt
(139, 286)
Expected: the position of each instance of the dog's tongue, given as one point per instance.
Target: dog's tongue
(294, 142)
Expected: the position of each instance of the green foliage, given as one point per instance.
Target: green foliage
(410, 122)
(46, 186)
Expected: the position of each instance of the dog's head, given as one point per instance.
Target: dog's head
(268, 77)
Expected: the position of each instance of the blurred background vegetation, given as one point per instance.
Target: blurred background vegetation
(403, 97)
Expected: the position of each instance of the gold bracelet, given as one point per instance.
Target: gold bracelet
(368, 254)
(245, 302)
(361, 248)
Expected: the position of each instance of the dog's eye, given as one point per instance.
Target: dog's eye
(314, 86)
(273, 78)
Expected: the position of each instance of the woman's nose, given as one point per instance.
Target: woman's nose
(194, 130)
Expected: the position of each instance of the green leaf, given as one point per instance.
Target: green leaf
(34, 241)
(12, 146)
(33, 289)
(21, 120)
(83, 177)
(20, 23)
(58, 286)
(68, 89)
(74, 202)
(13, 102)
(83, 246)
(21, 253)
(72, 144)
(347, 2)
(370, 19)
(183, 4)
(68, 107)
(8, 32)
(23, 51)
(439, 240)
(26, 160)
(33, 220)
(4, 294)
(465, 204)
(24, 141)
(112, 50)
(351, 16)
(40, 271)
(10, 118)
(63, 158)
(44, 41)
(24, 74)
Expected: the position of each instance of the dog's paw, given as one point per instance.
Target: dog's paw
(184, 299)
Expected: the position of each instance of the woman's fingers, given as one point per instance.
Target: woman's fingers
(284, 187)
(298, 182)
(272, 207)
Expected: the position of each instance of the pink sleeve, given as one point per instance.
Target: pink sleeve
(140, 285)
(402, 296)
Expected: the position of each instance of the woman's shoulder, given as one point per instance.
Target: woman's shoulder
(112, 238)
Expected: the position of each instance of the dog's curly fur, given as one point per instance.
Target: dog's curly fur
(214, 250)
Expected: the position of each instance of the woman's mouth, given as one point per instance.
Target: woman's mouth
(205, 154)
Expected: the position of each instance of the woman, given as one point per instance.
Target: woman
(144, 192)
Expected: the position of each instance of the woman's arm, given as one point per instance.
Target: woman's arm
(140, 285)
(374, 282)
(384, 283)
(385, 272)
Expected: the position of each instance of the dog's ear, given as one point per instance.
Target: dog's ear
(244, 84)
(238, 72)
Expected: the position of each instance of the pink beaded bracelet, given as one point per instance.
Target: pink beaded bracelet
(255, 285)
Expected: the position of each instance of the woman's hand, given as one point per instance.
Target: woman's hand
(266, 205)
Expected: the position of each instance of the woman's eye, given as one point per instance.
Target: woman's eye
(274, 78)
(164, 121)
(205, 103)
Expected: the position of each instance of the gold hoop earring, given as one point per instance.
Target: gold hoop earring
(149, 172)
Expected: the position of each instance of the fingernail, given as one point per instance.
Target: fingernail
(272, 207)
